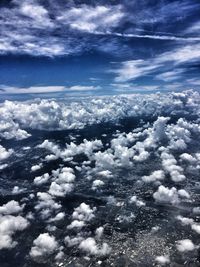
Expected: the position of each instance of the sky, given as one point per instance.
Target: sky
(98, 47)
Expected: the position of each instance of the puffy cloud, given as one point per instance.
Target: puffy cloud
(70, 242)
(60, 190)
(184, 220)
(196, 228)
(164, 259)
(96, 184)
(58, 217)
(12, 207)
(36, 167)
(4, 154)
(185, 245)
(90, 246)
(155, 176)
(137, 202)
(43, 245)
(50, 114)
(76, 224)
(83, 212)
(63, 183)
(99, 232)
(39, 180)
(170, 165)
(188, 157)
(46, 205)
(169, 195)
(8, 226)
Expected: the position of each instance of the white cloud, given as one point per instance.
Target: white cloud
(36, 167)
(155, 176)
(70, 242)
(4, 154)
(166, 195)
(163, 260)
(169, 76)
(32, 89)
(96, 184)
(46, 205)
(76, 224)
(91, 19)
(130, 70)
(90, 246)
(185, 245)
(12, 207)
(83, 212)
(170, 165)
(137, 202)
(58, 115)
(39, 180)
(8, 226)
(43, 245)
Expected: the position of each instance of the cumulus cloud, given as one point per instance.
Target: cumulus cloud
(8, 226)
(185, 245)
(170, 165)
(90, 246)
(43, 246)
(4, 154)
(74, 241)
(96, 184)
(164, 259)
(12, 207)
(36, 167)
(39, 180)
(46, 205)
(169, 195)
(137, 202)
(50, 114)
(155, 176)
(83, 212)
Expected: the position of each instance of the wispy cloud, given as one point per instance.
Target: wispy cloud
(45, 89)
(169, 76)
(38, 29)
(91, 19)
(130, 70)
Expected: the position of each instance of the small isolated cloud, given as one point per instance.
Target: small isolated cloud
(137, 202)
(83, 88)
(163, 260)
(185, 245)
(96, 184)
(83, 212)
(32, 89)
(43, 246)
(90, 246)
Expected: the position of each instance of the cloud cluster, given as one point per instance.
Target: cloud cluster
(51, 114)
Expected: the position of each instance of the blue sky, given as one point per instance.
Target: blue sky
(98, 47)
